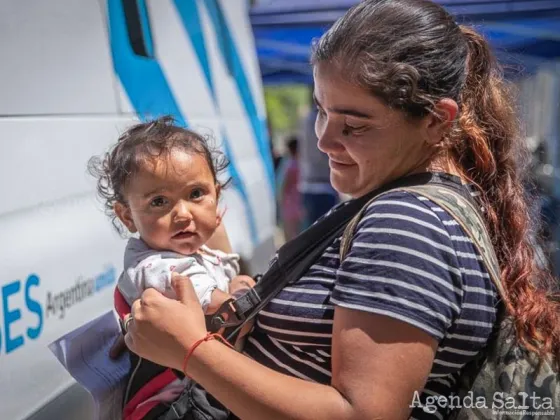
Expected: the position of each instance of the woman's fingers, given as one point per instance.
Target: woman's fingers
(126, 322)
(184, 288)
(129, 323)
(136, 308)
(129, 341)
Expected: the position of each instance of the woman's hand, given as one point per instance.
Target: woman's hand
(163, 329)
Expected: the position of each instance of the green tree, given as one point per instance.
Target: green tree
(285, 106)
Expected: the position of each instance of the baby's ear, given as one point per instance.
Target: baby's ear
(125, 216)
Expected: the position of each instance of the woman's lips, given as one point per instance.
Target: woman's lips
(339, 165)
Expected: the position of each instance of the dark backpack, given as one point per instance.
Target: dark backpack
(504, 376)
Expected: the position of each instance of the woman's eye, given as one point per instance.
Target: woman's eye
(353, 129)
(158, 202)
(197, 193)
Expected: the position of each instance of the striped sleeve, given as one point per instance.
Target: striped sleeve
(402, 264)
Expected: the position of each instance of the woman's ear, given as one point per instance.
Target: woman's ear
(125, 216)
(439, 121)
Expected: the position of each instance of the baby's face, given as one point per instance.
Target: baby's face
(172, 203)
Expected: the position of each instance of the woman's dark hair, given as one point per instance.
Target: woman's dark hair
(141, 143)
(411, 54)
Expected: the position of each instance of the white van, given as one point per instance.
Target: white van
(73, 75)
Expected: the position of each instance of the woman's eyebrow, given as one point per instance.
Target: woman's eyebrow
(346, 111)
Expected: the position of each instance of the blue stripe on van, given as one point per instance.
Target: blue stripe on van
(188, 11)
(141, 77)
(190, 17)
(231, 56)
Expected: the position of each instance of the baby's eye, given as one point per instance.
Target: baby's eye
(197, 193)
(159, 202)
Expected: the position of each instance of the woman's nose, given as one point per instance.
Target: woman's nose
(326, 138)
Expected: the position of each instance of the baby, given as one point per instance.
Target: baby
(161, 182)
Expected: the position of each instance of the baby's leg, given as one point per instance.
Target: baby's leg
(238, 287)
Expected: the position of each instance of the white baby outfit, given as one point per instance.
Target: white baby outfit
(145, 267)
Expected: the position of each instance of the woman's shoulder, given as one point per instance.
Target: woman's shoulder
(407, 210)
(409, 225)
(409, 258)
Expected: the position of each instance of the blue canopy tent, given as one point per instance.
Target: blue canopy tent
(524, 33)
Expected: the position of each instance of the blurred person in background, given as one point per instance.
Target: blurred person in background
(276, 158)
(314, 184)
(289, 197)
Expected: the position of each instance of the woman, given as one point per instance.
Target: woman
(401, 89)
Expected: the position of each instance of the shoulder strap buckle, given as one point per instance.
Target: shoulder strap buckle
(233, 312)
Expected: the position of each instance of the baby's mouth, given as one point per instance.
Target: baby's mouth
(184, 235)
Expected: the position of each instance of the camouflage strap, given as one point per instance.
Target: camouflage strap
(461, 209)
(346, 240)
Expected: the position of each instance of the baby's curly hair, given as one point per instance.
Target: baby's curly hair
(140, 143)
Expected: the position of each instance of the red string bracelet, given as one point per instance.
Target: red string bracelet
(209, 336)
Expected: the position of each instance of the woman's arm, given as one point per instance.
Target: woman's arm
(377, 363)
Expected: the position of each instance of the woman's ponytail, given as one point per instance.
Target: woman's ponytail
(488, 146)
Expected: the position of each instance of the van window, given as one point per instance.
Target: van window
(138, 27)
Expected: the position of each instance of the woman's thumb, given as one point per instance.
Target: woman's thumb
(183, 288)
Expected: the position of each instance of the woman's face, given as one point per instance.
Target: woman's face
(367, 142)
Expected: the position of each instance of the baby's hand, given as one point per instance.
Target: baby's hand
(216, 300)
(240, 284)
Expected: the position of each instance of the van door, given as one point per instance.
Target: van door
(60, 255)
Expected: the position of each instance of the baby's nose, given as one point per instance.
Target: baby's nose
(182, 212)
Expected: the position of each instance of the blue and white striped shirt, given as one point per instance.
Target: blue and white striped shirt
(409, 260)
